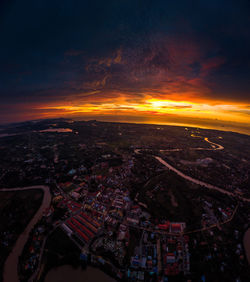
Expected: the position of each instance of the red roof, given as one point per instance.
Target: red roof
(80, 233)
(176, 226)
(164, 226)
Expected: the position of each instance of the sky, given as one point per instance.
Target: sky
(184, 62)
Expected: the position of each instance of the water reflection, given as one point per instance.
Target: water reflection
(56, 130)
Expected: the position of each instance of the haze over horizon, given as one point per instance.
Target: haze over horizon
(130, 61)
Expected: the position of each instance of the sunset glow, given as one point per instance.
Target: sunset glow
(139, 69)
(225, 112)
(124, 140)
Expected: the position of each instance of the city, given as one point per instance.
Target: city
(116, 198)
(124, 141)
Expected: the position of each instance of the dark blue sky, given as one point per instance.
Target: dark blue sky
(54, 51)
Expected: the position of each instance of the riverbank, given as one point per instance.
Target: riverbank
(11, 265)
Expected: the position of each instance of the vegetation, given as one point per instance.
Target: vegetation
(16, 210)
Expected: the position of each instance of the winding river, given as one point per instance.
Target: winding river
(10, 267)
(189, 178)
(11, 264)
(215, 147)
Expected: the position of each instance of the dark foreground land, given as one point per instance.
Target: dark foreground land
(16, 210)
(117, 207)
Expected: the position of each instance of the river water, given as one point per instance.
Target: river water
(10, 267)
(63, 130)
(67, 273)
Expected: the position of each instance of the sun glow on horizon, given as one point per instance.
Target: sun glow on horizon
(158, 107)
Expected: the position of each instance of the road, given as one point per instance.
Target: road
(218, 224)
(11, 264)
(164, 232)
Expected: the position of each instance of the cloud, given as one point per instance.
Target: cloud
(124, 52)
